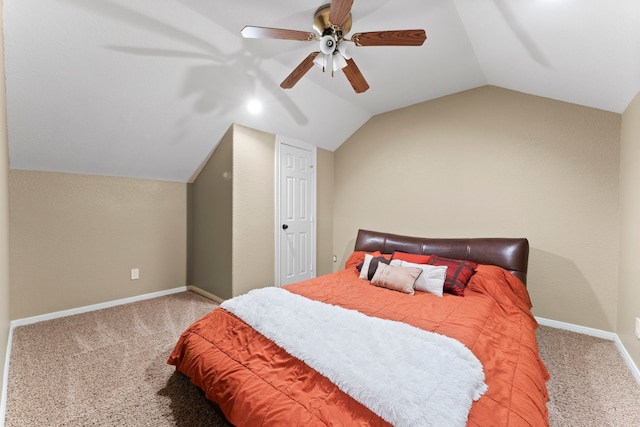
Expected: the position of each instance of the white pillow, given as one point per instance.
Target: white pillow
(432, 278)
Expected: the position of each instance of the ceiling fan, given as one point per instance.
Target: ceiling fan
(332, 23)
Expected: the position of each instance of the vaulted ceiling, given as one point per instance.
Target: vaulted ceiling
(146, 88)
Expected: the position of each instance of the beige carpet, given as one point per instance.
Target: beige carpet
(590, 383)
(108, 368)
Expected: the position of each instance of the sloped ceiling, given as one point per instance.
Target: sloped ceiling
(146, 88)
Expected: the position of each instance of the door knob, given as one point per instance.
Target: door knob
(285, 226)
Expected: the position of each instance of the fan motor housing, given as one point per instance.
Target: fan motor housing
(322, 24)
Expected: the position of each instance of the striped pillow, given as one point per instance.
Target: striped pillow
(370, 264)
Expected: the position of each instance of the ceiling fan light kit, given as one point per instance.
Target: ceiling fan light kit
(332, 22)
(339, 62)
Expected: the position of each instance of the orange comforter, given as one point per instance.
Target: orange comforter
(256, 383)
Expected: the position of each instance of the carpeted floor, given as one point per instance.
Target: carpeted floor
(108, 368)
(590, 383)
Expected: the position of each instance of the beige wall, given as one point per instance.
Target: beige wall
(4, 217)
(241, 256)
(629, 292)
(75, 238)
(493, 162)
(211, 222)
(253, 209)
(324, 212)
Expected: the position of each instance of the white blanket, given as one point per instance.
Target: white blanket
(407, 376)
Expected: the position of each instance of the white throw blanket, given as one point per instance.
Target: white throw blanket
(407, 376)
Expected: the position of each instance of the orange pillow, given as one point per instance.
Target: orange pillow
(354, 259)
(414, 258)
(357, 258)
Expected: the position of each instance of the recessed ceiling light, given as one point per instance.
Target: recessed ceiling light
(254, 106)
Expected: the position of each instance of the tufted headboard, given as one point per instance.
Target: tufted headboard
(512, 254)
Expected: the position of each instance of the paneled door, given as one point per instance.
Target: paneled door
(296, 226)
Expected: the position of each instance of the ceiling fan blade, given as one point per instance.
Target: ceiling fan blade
(390, 38)
(339, 11)
(250, 32)
(299, 71)
(355, 77)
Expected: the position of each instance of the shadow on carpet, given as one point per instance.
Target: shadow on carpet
(189, 406)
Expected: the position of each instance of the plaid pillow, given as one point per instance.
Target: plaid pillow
(458, 273)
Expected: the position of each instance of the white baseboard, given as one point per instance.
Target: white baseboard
(64, 313)
(5, 378)
(599, 334)
(88, 308)
(627, 358)
(205, 294)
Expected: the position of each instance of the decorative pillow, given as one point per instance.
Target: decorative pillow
(458, 273)
(396, 278)
(373, 254)
(355, 259)
(414, 258)
(370, 264)
(432, 278)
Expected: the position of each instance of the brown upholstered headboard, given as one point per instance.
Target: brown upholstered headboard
(512, 254)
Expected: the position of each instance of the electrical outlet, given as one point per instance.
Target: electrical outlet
(335, 258)
(638, 327)
(135, 274)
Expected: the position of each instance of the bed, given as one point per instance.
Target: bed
(408, 357)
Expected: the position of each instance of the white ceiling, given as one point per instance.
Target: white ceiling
(146, 88)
